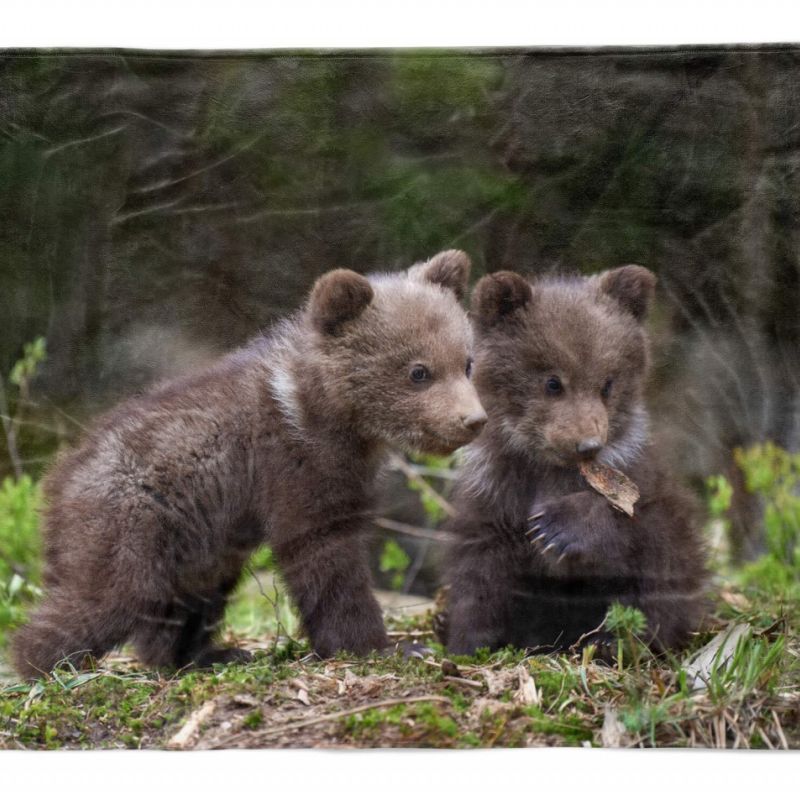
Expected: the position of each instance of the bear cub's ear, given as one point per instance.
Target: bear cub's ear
(633, 287)
(449, 269)
(497, 296)
(338, 297)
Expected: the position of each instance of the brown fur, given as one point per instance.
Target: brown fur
(544, 583)
(150, 520)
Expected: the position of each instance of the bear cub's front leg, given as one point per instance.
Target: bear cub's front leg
(333, 593)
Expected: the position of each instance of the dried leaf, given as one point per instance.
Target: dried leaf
(496, 682)
(246, 700)
(735, 600)
(615, 486)
(349, 679)
(718, 651)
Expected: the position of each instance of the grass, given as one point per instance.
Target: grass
(749, 699)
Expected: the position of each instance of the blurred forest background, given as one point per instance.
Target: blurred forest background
(157, 210)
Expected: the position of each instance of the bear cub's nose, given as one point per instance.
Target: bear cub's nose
(475, 421)
(589, 448)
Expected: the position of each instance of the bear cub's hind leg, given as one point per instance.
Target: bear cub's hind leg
(66, 632)
(181, 632)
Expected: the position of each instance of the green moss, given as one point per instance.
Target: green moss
(51, 713)
(425, 724)
(460, 702)
(255, 719)
(555, 682)
(571, 728)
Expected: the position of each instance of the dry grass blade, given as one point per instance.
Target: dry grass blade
(764, 737)
(779, 731)
(737, 731)
(721, 732)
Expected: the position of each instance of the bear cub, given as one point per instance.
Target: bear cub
(537, 555)
(150, 520)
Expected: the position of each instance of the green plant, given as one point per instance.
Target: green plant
(627, 624)
(19, 549)
(394, 561)
(751, 667)
(720, 494)
(22, 373)
(261, 604)
(19, 527)
(263, 560)
(774, 474)
(420, 476)
(644, 718)
(19, 501)
(431, 466)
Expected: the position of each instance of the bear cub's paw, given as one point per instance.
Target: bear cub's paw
(407, 650)
(567, 531)
(222, 655)
(604, 644)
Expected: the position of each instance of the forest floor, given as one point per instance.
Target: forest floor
(736, 686)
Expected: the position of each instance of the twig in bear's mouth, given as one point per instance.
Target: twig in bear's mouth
(620, 491)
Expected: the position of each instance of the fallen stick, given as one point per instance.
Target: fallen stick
(463, 681)
(291, 726)
(192, 725)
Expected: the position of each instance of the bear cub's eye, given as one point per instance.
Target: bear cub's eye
(553, 385)
(606, 390)
(419, 374)
(468, 369)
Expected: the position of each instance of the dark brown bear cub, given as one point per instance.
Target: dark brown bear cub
(150, 520)
(538, 556)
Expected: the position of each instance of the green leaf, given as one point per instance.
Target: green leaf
(395, 561)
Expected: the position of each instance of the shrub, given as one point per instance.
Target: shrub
(19, 549)
(774, 474)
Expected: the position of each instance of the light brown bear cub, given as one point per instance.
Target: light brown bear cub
(150, 520)
(538, 555)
